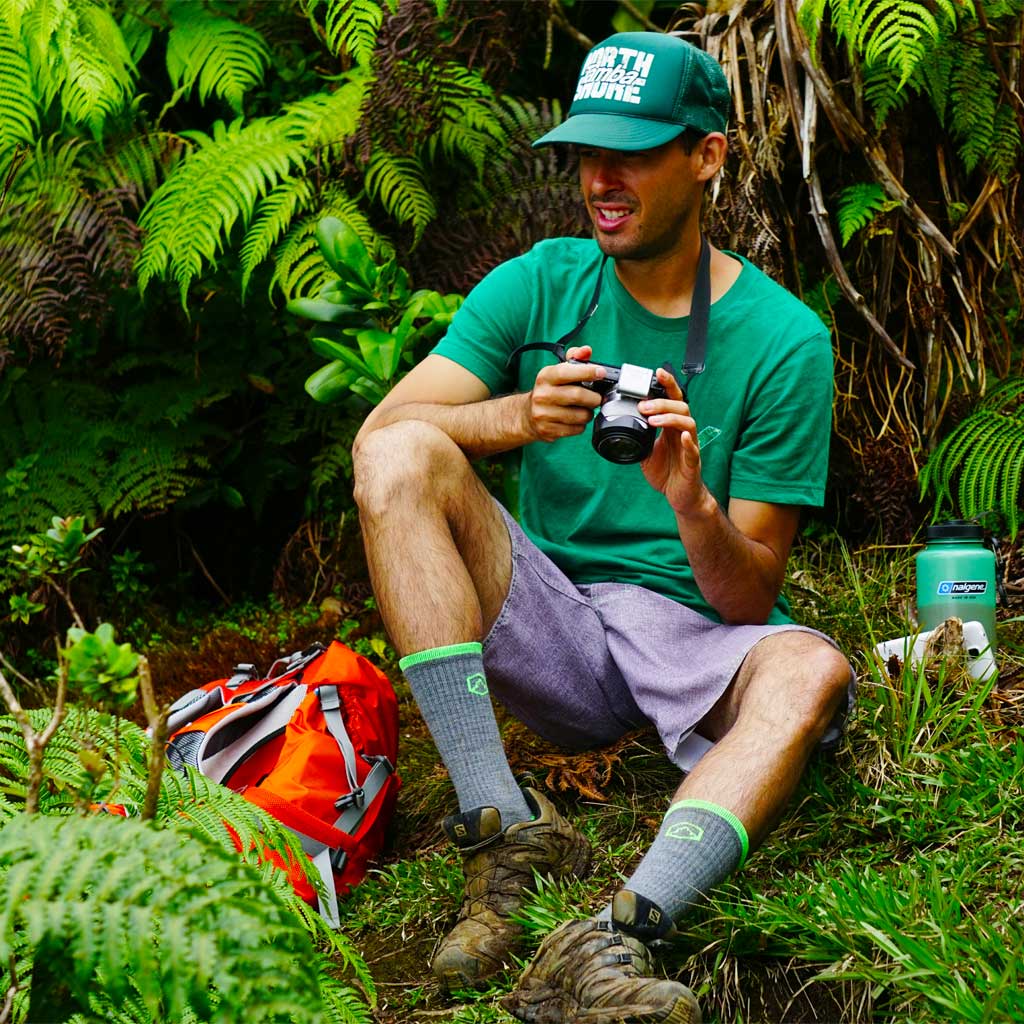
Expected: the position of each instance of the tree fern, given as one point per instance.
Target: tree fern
(978, 467)
(190, 215)
(221, 56)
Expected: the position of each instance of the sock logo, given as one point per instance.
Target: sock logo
(461, 831)
(685, 830)
(477, 683)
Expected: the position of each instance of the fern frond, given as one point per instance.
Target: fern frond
(122, 744)
(1004, 158)
(132, 908)
(300, 269)
(857, 207)
(897, 33)
(982, 459)
(271, 220)
(100, 71)
(189, 217)
(468, 127)
(137, 164)
(324, 120)
(398, 184)
(351, 27)
(224, 57)
(974, 98)
(19, 116)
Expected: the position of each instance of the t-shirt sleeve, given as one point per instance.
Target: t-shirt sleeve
(490, 324)
(782, 451)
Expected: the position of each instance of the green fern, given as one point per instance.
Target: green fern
(19, 116)
(324, 120)
(68, 446)
(197, 810)
(897, 33)
(77, 53)
(978, 467)
(300, 268)
(272, 218)
(221, 56)
(858, 205)
(351, 26)
(469, 127)
(190, 216)
(128, 908)
(399, 184)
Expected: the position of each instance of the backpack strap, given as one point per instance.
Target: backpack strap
(330, 704)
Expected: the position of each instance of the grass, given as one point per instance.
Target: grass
(893, 890)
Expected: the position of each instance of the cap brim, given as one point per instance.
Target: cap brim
(612, 131)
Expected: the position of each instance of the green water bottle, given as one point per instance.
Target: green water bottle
(956, 576)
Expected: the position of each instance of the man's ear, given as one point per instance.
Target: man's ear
(711, 150)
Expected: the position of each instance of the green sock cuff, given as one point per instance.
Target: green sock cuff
(435, 653)
(726, 816)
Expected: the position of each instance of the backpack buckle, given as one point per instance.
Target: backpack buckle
(354, 799)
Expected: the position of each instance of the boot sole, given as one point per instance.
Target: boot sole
(559, 1010)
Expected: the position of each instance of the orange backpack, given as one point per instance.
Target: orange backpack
(314, 744)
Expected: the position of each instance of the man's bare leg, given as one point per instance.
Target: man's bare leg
(767, 723)
(437, 548)
(440, 559)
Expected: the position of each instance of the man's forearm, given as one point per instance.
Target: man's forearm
(478, 428)
(739, 577)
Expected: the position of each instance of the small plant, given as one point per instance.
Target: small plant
(376, 322)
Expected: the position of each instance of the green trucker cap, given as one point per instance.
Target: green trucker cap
(638, 90)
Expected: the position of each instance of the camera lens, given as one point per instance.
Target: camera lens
(624, 439)
(619, 446)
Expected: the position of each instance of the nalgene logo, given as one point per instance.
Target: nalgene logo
(962, 588)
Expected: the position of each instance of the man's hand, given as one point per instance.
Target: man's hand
(673, 467)
(558, 405)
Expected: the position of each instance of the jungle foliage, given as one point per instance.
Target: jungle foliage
(125, 896)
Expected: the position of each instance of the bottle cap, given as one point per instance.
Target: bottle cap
(954, 529)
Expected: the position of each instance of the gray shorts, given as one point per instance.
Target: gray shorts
(583, 664)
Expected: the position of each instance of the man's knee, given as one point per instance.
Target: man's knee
(799, 679)
(408, 459)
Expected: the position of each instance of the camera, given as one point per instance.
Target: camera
(621, 434)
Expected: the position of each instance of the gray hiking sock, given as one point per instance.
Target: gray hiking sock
(450, 688)
(698, 845)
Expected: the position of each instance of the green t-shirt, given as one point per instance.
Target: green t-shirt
(763, 408)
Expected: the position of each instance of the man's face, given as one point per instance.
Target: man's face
(639, 202)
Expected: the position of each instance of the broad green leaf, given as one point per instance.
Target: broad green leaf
(378, 349)
(324, 310)
(330, 382)
(330, 349)
(344, 251)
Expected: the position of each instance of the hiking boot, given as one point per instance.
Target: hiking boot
(593, 972)
(499, 866)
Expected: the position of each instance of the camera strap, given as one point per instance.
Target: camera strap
(697, 336)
